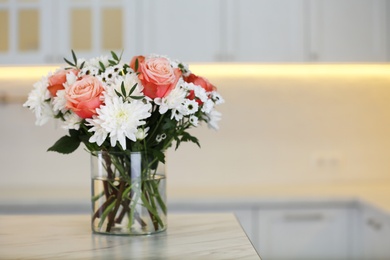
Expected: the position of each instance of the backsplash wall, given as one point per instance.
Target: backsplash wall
(276, 129)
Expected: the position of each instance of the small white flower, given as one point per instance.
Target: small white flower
(217, 98)
(72, 121)
(173, 101)
(193, 120)
(142, 133)
(207, 106)
(190, 106)
(212, 119)
(90, 70)
(129, 81)
(108, 76)
(199, 92)
(95, 62)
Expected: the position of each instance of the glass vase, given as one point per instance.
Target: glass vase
(128, 193)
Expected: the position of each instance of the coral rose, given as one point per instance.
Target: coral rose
(84, 96)
(56, 81)
(200, 81)
(157, 76)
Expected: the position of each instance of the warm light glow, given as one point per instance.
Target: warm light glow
(227, 70)
(290, 70)
(25, 72)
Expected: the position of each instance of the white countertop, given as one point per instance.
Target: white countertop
(195, 236)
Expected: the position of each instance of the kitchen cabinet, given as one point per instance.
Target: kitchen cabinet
(197, 31)
(301, 233)
(267, 31)
(185, 30)
(375, 237)
(312, 230)
(348, 31)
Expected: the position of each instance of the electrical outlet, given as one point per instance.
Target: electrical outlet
(327, 161)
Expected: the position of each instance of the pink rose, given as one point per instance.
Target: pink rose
(157, 76)
(84, 96)
(56, 81)
(200, 81)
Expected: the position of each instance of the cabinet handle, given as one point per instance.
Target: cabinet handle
(304, 217)
(374, 224)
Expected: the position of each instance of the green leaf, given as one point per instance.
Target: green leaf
(102, 66)
(114, 56)
(159, 155)
(186, 137)
(136, 65)
(74, 57)
(123, 89)
(119, 94)
(70, 63)
(74, 133)
(133, 88)
(137, 97)
(112, 63)
(82, 65)
(65, 145)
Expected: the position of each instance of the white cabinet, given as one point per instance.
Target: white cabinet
(348, 30)
(186, 30)
(43, 31)
(304, 233)
(331, 230)
(267, 31)
(376, 234)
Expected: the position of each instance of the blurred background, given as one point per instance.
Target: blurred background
(302, 156)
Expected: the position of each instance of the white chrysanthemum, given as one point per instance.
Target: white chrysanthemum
(174, 100)
(72, 121)
(36, 102)
(212, 119)
(99, 133)
(59, 102)
(120, 120)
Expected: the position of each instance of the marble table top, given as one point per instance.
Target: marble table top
(189, 236)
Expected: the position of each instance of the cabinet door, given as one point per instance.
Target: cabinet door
(303, 234)
(268, 31)
(185, 30)
(25, 31)
(349, 30)
(93, 28)
(376, 234)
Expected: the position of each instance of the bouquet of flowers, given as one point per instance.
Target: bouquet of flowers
(118, 108)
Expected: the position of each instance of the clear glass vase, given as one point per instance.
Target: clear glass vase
(128, 193)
